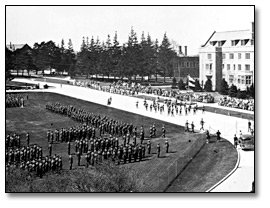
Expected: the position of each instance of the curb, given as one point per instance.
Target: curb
(228, 175)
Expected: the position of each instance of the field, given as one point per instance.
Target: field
(33, 118)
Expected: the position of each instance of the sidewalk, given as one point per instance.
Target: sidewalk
(239, 181)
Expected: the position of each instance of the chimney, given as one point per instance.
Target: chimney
(185, 50)
(180, 50)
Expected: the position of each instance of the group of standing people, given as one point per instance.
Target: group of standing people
(14, 100)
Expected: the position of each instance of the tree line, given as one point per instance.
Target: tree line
(143, 57)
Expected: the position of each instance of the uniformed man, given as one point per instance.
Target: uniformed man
(158, 150)
(207, 136)
(202, 123)
(167, 145)
(218, 136)
(154, 130)
(68, 144)
(79, 158)
(149, 147)
(187, 127)
(50, 149)
(192, 127)
(70, 162)
(163, 131)
(27, 139)
(235, 139)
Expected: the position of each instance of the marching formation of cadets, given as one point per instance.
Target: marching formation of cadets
(172, 107)
(98, 139)
(30, 158)
(14, 100)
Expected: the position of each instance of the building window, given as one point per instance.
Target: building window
(187, 64)
(247, 55)
(223, 56)
(251, 42)
(183, 64)
(234, 67)
(209, 56)
(206, 66)
(239, 67)
(210, 66)
(239, 79)
(239, 55)
(231, 56)
(228, 66)
(243, 42)
(247, 67)
(231, 78)
(248, 80)
(222, 66)
(243, 79)
(233, 42)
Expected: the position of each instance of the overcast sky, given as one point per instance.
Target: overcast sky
(187, 25)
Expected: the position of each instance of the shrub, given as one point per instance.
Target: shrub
(208, 85)
(232, 91)
(181, 85)
(241, 94)
(224, 88)
(106, 177)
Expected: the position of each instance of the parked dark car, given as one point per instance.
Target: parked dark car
(246, 142)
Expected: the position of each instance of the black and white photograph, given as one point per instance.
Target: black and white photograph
(130, 99)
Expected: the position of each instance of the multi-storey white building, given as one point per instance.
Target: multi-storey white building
(228, 55)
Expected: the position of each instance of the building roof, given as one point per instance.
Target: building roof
(227, 36)
(232, 35)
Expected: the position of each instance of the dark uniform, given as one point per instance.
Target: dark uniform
(235, 139)
(27, 139)
(70, 162)
(158, 150)
(167, 146)
(187, 128)
(163, 132)
(202, 123)
(50, 149)
(218, 136)
(192, 127)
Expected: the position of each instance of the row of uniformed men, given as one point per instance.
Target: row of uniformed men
(104, 123)
(14, 100)
(17, 155)
(123, 154)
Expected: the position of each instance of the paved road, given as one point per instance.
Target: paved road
(239, 181)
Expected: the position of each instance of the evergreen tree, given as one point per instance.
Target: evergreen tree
(232, 91)
(9, 65)
(224, 88)
(197, 87)
(116, 55)
(252, 90)
(181, 85)
(156, 65)
(173, 82)
(208, 85)
(166, 56)
(241, 94)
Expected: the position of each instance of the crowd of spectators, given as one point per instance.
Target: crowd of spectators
(133, 88)
(245, 104)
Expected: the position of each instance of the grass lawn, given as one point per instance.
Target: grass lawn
(33, 118)
(212, 163)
